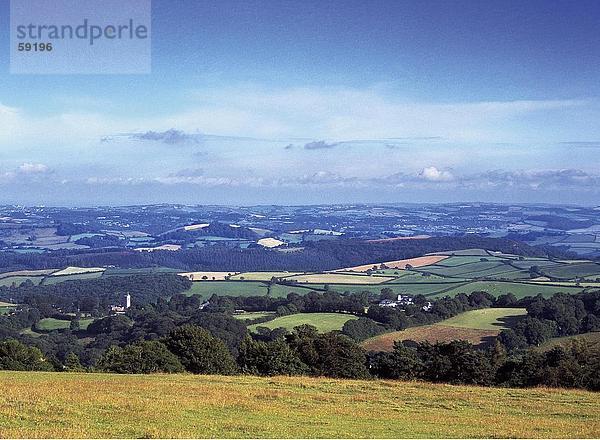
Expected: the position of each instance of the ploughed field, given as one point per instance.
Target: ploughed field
(51, 405)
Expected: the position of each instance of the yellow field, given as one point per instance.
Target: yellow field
(147, 406)
(197, 276)
(195, 227)
(262, 276)
(27, 273)
(78, 270)
(164, 247)
(401, 264)
(339, 278)
(270, 242)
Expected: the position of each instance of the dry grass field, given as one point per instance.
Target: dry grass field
(338, 278)
(68, 405)
(428, 333)
(78, 270)
(199, 276)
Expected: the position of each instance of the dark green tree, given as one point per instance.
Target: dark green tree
(200, 352)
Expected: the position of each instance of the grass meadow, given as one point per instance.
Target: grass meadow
(324, 322)
(77, 405)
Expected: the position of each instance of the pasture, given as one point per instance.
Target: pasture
(50, 324)
(227, 288)
(69, 405)
(252, 315)
(324, 322)
(487, 319)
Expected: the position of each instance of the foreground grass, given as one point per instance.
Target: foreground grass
(103, 405)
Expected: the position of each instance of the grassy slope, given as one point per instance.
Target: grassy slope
(324, 322)
(486, 319)
(144, 406)
(475, 326)
(429, 333)
(592, 338)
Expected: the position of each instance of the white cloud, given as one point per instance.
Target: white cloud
(33, 168)
(432, 174)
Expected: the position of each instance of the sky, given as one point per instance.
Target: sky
(301, 102)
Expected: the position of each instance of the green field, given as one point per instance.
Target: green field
(50, 324)
(68, 405)
(570, 271)
(227, 288)
(520, 290)
(324, 322)
(17, 280)
(252, 315)
(486, 319)
(62, 278)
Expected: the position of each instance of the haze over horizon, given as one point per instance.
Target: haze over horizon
(270, 102)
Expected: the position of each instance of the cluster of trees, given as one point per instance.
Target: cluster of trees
(458, 362)
(217, 229)
(306, 352)
(311, 302)
(560, 315)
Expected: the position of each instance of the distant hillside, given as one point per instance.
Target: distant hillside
(314, 256)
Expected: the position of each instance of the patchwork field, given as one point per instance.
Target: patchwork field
(436, 275)
(475, 326)
(324, 322)
(54, 405)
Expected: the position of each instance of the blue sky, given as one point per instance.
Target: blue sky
(320, 101)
